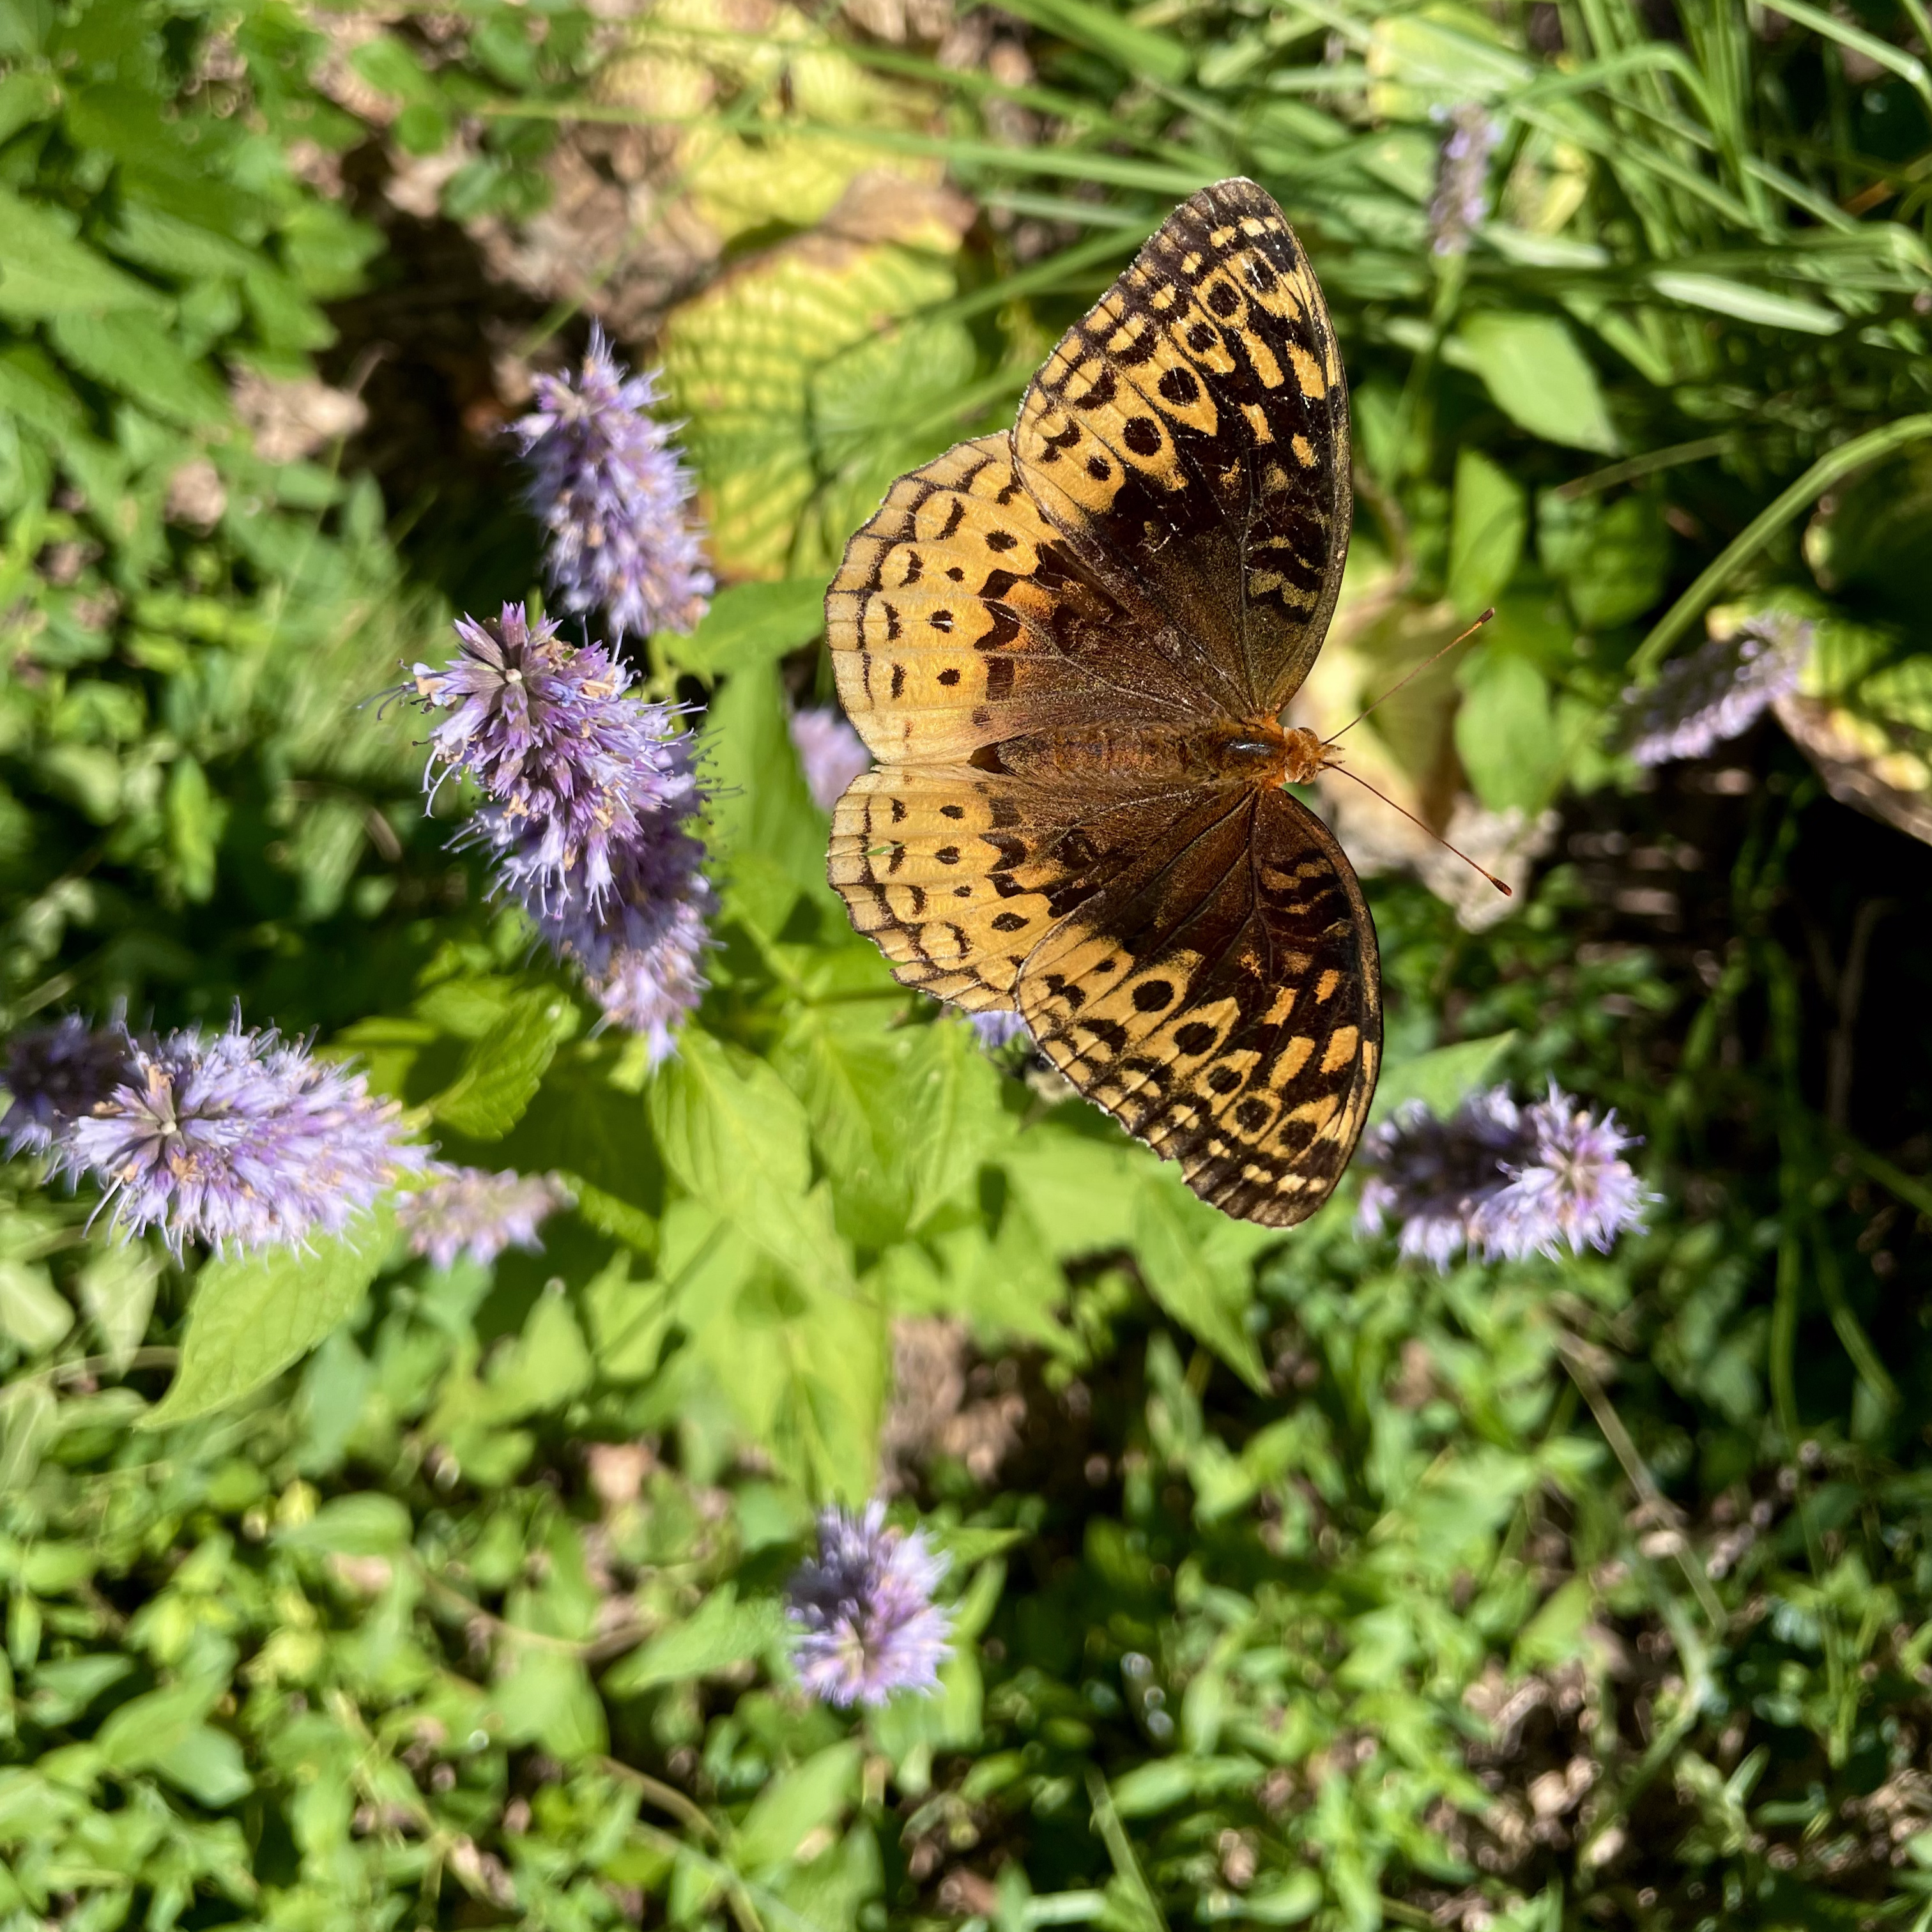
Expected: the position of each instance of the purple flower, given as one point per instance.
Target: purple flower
(54, 1075)
(1575, 1189)
(592, 793)
(572, 764)
(1717, 691)
(1461, 179)
(831, 754)
(608, 487)
(998, 1029)
(239, 1141)
(464, 1210)
(1433, 1176)
(1503, 1181)
(641, 947)
(863, 1611)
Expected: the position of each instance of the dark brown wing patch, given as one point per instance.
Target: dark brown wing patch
(1237, 1027)
(1189, 437)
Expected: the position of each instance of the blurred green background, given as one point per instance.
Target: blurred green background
(1293, 1585)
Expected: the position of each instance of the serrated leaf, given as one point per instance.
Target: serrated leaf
(129, 354)
(45, 271)
(117, 1288)
(502, 1070)
(251, 1317)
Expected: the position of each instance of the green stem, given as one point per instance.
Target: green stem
(1858, 1344)
(1829, 469)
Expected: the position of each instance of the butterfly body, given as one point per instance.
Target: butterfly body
(1069, 648)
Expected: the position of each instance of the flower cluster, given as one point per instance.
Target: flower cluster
(591, 792)
(465, 1211)
(862, 1610)
(238, 1140)
(1504, 1181)
(1461, 179)
(609, 488)
(1716, 692)
(830, 754)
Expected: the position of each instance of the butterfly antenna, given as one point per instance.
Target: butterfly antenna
(1507, 893)
(1416, 673)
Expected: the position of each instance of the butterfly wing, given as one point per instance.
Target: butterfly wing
(959, 618)
(959, 874)
(1222, 998)
(1188, 440)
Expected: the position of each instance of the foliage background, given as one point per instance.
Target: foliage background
(1292, 1586)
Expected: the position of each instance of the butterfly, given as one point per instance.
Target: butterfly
(1067, 647)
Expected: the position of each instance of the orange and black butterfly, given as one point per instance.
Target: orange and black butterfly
(1068, 648)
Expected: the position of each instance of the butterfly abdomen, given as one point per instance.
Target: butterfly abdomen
(1256, 753)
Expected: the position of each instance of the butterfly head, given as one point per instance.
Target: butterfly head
(1305, 754)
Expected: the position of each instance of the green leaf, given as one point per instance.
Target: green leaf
(767, 834)
(1198, 1265)
(1136, 49)
(721, 1633)
(735, 1137)
(208, 1765)
(368, 1525)
(196, 819)
(502, 1070)
(1485, 532)
(117, 1288)
(31, 1311)
(546, 1365)
(1441, 1079)
(44, 271)
(1722, 296)
(1505, 733)
(1538, 377)
(1613, 560)
(629, 1321)
(252, 1316)
(796, 1804)
(750, 624)
(129, 354)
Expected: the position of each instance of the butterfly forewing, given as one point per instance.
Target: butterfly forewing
(1060, 646)
(1189, 436)
(959, 618)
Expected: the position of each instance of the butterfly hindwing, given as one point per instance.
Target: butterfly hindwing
(1237, 1026)
(1189, 437)
(959, 873)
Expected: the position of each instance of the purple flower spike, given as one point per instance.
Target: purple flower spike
(572, 764)
(1432, 1176)
(1461, 179)
(608, 486)
(830, 753)
(240, 1141)
(863, 1611)
(1576, 1189)
(1504, 1182)
(466, 1210)
(1717, 690)
(55, 1075)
